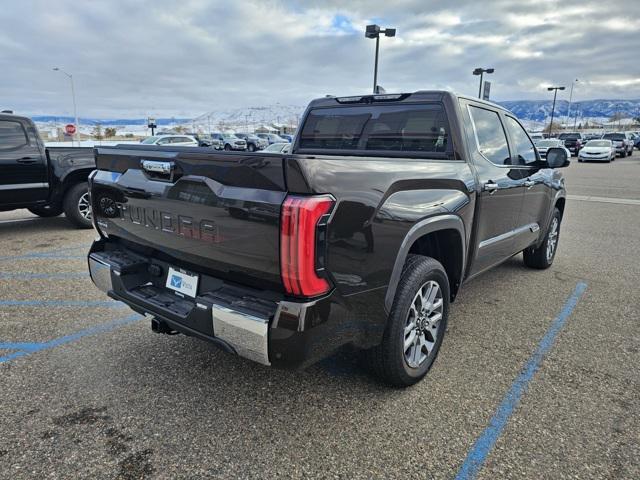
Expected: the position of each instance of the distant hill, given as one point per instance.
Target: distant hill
(531, 110)
(107, 121)
(540, 110)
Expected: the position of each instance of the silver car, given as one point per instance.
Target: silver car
(598, 150)
(543, 145)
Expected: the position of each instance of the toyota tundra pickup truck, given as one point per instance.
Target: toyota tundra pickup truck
(361, 236)
(47, 181)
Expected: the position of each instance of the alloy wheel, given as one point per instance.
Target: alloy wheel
(552, 241)
(84, 206)
(423, 324)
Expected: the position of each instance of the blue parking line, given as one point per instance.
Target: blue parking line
(58, 253)
(25, 348)
(485, 443)
(61, 303)
(36, 276)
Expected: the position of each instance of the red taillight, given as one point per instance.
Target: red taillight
(299, 224)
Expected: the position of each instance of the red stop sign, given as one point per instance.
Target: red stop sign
(70, 129)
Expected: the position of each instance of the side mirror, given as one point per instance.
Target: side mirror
(557, 158)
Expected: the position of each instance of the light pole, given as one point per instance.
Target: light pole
(374, 31)
(73, 96)
(570, 98)
(553, 109)
(481, 72)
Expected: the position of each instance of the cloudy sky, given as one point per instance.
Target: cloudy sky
(169, 58)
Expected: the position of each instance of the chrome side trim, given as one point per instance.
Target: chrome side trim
(24, 186)
(100, 274)
(531, 227)
(247, 334)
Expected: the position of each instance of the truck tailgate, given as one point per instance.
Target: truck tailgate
(218, 212)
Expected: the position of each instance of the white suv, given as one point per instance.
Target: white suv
(171, 141)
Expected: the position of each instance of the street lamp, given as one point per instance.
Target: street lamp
(553, 109)
(481, 72)
(73, 96)
(374, 31)
(570, 98)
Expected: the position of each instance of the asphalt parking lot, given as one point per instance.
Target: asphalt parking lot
(537, 377)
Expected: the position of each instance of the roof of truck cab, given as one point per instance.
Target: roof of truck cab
(12, 116)
(420, 95)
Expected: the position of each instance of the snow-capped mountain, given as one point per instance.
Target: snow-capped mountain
(533, 112)
(598, 110)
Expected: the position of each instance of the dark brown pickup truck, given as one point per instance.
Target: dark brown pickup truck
(361, 236)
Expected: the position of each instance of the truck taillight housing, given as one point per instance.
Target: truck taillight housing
(303, 225)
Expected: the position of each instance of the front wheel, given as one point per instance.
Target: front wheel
(542, 257)
(251, 147)
(77, 207)
(46, 211)
(416, 324)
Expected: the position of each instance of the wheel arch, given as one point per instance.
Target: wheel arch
(441, 237)
(72, 178)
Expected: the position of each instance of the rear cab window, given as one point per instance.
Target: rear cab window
(420, 130)
(12, 135)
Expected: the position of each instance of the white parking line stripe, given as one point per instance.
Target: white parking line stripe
(621, 201)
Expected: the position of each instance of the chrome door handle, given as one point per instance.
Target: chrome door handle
(27, 160)
(490, 187)
(529, 184)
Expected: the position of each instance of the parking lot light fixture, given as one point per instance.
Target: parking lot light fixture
(481, 72)
(73, 96)
(553, 108)
(374, 31)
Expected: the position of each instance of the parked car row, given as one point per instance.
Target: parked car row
(219, 141)
(623, 143)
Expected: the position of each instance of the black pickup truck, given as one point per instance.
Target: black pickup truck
(47, 181)
(361, 236)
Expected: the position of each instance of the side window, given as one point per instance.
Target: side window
(163, 141)
(524, 148)
(12, 135)
(492, 141)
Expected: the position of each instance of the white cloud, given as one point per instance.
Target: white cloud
(134, 58)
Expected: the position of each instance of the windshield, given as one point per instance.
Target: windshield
(569, 136)
(547, 143)
(598, 143)
(149, 140)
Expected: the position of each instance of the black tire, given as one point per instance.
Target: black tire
(623, 154)
(46, 211)
(388, 360)
(227, 147)
(539, 257)
(73, 205)
(251, 147)
(580, 160)
(631, 152)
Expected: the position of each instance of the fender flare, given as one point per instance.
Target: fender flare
(423, 227)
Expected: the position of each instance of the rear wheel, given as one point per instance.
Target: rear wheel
(227, 147)
(47, 211)
(542, 257)
(416, 324)
(77, 207)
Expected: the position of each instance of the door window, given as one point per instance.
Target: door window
(524, 148)
(12, 135)
(490, 136)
